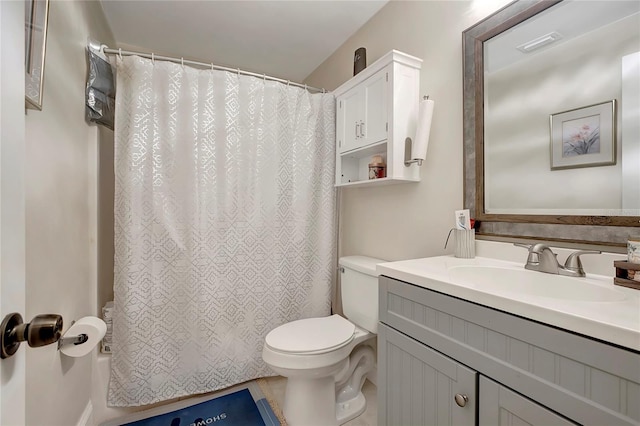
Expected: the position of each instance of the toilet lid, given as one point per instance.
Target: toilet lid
(311, 335)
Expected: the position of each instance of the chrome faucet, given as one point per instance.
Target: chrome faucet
(542, 259)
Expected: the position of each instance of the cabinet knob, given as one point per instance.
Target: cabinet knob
(461, 400)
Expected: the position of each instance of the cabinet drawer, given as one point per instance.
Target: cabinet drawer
(571, 374)
(500, 406)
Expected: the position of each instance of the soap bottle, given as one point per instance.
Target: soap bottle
(377, 168)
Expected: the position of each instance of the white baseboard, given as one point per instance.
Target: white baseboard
(86, 419)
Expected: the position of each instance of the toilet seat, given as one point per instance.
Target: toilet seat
(311, 336)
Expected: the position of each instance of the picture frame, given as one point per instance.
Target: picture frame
(584, 137)
(36, 20)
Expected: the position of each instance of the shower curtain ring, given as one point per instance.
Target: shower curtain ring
(120, 52)
(264, 78)
(211, 66)
(182, 60)
(238, 70)
(153, 58)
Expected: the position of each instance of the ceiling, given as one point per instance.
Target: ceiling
(285, 39)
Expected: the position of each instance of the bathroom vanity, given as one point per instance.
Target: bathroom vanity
(453, 350)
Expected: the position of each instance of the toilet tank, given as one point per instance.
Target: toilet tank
(359, 290)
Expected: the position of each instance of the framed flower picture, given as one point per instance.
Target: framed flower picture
(584, 137)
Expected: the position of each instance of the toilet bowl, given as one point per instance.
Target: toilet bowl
(325, 360)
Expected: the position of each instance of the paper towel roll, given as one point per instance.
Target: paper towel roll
(421, 142)
(93, 327)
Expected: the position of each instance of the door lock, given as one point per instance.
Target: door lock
(42, 330)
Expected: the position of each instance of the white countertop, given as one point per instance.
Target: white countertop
(616, 322)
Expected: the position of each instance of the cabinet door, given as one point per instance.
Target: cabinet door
(418, 386)
(362, 117)
(374, 124)
(500, 406)
(349, 117)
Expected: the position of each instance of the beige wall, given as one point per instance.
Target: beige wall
(411, 220)
(106, 188)
(61, 169)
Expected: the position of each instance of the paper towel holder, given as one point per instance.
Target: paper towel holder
(408, 143)
(43, 330)
(408, 148)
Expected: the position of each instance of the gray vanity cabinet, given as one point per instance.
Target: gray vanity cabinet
(433, 347)
(424, 387)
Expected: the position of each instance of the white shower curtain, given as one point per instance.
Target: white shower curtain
(224, 224)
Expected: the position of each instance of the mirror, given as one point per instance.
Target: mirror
(551, 129)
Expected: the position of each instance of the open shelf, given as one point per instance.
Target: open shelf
(376, 182)
(367, 151)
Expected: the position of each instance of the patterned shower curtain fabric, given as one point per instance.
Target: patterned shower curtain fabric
(224, 224)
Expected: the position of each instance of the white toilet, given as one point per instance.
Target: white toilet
(324, 359)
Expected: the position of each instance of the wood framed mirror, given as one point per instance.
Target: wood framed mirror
(496, 90)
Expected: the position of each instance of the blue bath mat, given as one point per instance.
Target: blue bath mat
(242, 405)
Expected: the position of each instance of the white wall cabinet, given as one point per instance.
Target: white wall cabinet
(376, 111)
(433, 347)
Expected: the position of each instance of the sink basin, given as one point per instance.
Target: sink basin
(531, 283)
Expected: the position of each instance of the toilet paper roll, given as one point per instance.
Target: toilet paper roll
(421, 142)
(95, 330)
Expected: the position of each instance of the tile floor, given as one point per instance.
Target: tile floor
(277, 385)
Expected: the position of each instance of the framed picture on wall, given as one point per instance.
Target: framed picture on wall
(584, 137)
(36, 17)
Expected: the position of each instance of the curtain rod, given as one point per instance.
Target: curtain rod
(183, 61)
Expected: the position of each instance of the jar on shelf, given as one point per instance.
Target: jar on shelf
(377, 168)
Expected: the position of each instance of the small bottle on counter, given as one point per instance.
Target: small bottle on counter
(633, 247)
(377, 168)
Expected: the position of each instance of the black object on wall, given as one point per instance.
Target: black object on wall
(359, 60)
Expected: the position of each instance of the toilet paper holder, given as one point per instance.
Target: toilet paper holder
(73, 340)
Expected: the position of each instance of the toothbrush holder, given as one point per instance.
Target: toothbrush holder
(465, 243)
